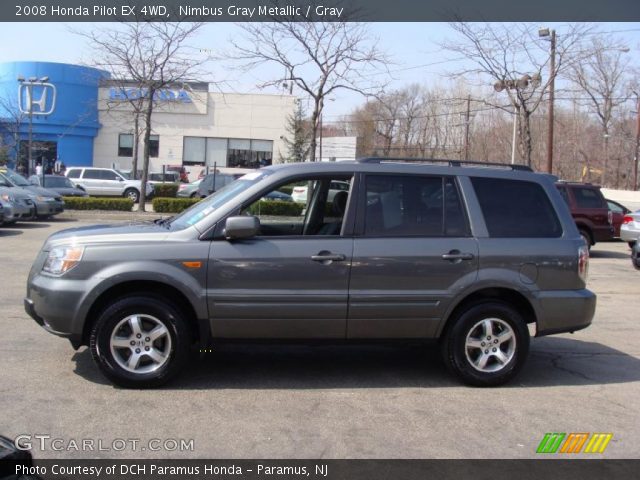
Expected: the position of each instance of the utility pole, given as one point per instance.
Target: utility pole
(636, 158)
(552, 82)
(466, 128)
(320, 153)
(551, 33)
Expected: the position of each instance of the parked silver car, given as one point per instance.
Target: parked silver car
(106, 182)
(630, 228)
(47, 202)
(16, 204)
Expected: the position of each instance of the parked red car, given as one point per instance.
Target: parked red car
(589, 210)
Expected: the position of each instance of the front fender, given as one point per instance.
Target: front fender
(188, 282)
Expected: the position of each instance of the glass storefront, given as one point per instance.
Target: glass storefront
(227, 152)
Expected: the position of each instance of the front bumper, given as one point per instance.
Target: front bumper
(49, 208)
(19, 211)
(565, 311)
(53, 303)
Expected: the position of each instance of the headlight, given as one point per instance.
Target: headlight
(8, 198)
(44, 199)
(62, 259)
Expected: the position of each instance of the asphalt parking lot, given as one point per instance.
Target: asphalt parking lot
(325, 402)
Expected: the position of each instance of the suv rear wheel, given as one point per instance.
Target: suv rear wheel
(487, 345)
(133, 194)
(140, 341)
(586, 236)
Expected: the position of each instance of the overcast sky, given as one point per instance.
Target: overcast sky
(413, 47)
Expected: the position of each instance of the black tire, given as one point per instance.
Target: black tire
(133, 194)
(194, 195)
(587, 238)
(458, 357)
(635, 257)
(631, 244)
(145, 306)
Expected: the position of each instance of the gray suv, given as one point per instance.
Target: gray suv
(410, 251)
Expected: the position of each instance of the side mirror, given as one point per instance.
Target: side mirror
(236, 228)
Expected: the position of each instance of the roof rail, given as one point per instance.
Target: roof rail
(451, 163)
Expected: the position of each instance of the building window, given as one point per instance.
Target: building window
(227, 152)
(125, 145)
(154, 146)
(194, 150)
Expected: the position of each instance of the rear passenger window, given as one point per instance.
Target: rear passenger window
(516, 209)
(588, 198)
(413, 206)
(92, 175)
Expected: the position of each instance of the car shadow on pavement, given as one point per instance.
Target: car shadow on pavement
(9, 233)
(28, 225)
(555, 361)
(609, 254)
(60, 220)
(565, 361)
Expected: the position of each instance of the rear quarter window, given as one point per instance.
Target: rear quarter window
(516, 209)
(588, 197)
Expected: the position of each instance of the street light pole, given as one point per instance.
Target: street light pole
(43, 110)
(30, 140)
(551, 33)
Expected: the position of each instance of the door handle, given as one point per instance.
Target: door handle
(454, 255)
(326, 257)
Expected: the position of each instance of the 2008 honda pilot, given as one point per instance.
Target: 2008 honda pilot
(468, 255)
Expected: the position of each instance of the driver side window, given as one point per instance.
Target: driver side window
(306, 207)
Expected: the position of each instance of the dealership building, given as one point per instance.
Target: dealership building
(80, 117)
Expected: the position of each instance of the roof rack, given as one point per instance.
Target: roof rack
(451, 163)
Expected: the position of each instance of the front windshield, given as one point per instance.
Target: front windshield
(214, 201)
(125, 175)
(18, 179)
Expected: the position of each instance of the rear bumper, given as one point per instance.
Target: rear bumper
(565, 311)
(629, 235)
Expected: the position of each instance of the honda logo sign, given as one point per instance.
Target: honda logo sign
(37, 98)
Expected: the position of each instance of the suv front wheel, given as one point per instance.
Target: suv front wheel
(487, 345)
(132, 194)
(140, 341)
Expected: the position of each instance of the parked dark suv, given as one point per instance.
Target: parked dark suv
(589, 210)
(410, 251)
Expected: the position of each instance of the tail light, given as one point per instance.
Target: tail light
(583, 262)
(627, 219)
(182, 187)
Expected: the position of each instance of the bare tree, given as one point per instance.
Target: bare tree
(150, 56)
(515, 60)
(10, 124)
(601, 76)
(317, 57)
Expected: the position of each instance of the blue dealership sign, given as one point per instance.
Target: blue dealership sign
(164, 95)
